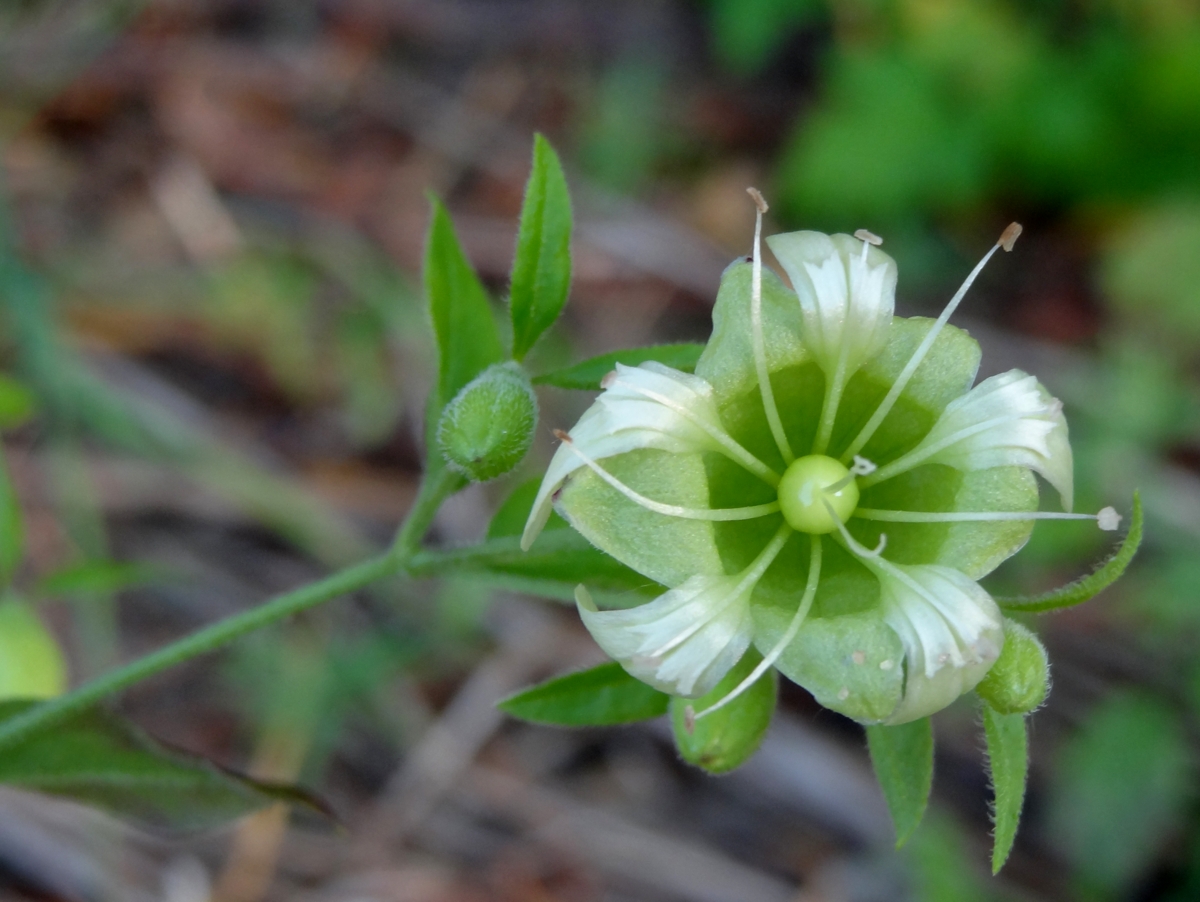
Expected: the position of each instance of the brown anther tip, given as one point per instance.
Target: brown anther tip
(869, 237)
(1010, 235)
(689, 720)
(759, 200)
(609, 378)
(561, 436)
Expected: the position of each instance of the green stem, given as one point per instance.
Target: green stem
(429, 498)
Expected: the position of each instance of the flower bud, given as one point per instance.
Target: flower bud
(1020, 678)
(31, 664)
(486, 429)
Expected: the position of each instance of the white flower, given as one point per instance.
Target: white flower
(847, 291)
(685, 640)
(951, 630)
(648, 406)
(1007, 420)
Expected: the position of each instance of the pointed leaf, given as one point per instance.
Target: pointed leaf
(99, 577)
(541, 274)
(903, 759)
(729, 736)
(98, 759)
(31, 663)
(1008, 761)
(12, 530)
(586, 376)
(603, 696)
(466, 333)
(1089, 586)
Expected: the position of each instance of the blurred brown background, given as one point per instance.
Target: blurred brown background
(217, 358)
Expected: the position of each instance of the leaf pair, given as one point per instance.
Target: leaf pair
(467, 337)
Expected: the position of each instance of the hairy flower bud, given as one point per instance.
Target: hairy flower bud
(1020, 678)
(486, 429)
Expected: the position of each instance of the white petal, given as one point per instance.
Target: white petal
(684, 641)
(846, 300)
(648, 406)
(951, 630)
(1009, 419)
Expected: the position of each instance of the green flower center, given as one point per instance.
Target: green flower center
(817, 494)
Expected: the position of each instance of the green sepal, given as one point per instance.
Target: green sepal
(1019, 680)
(728, 737)
(467, 339)
(586, 375)
(903, 760)
(1087, 587)
(98, 759)
(1008, 763)
(600, 697)
(541, 273)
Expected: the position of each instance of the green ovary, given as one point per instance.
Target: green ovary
(805, 499)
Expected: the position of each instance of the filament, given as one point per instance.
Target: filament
(1006, 241)
(756, 335)
(719, 514)
(924, 452)
(867, 513)
(806, 601)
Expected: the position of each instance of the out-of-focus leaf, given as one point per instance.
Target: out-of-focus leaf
(510, 519)
(627, 130)
(602, 696)
(1008, 761)
(467, 340)
(748, 32)
(903, 759)
(17, 402)
(559, 561)
(98, 577)
(941, 865)
(587, 375)
(98, 759)
(31, 663)
(1088, 586)
(1123, 783)
(541, 274)
(730, 735)
(12, 529)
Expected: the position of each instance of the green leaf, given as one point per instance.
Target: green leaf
(99, 577)
(1008, 761)
(509, 519)
(726, 739)
(31, 663)
(1122, 788)
(903, 759)
(12, 529)
(541, 274)
(17, 402)
(586, 376)
(1088, 586)
(559, 561)
(467, 340)
(98, 759)
(600, 697)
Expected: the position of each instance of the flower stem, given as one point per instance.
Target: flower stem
(433, 491)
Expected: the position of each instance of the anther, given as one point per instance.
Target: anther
(869, 237)
(1010, 235)
(862, 466)
(609, 378)
(1108, 519)
(761, 202)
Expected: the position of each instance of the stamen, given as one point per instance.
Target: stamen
(756, 334)
(733, 450)
(806, 600)
(861, 467)
(924, 452)
(719, 514)
(861, 550)
(1006, 240)
(1104, 518)
(750, 577)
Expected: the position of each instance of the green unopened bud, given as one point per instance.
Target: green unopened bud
(31, 664)
(1020, 678)
(486, 429)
